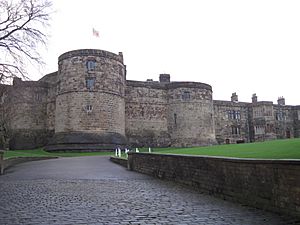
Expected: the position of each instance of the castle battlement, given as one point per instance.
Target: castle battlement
(91, 53)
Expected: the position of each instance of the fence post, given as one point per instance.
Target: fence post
(129, 161)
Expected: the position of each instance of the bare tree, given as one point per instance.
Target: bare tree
(5, 113)
(22, 32)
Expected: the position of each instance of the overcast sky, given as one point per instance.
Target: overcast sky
(236, 46)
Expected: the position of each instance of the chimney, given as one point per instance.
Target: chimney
(281, 101)
(234, 97)
(17, 80)
(254, 98)
(164, 78)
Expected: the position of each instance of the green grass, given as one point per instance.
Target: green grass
(278, 149)
(42, 153)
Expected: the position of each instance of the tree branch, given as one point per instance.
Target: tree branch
(21, 34)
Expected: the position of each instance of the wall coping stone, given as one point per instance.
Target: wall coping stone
(229, 159)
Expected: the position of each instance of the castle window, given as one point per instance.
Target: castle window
(89, 108)
(142, 112)
(232, 114)
(186, 95)
(90, 83)
(58, 86)
(3, 98)
(238, 115)
(37, 97)
(235, 130)
(120, 70)
(175, 118)
(280, 116)
(259, 130)
(91, 65)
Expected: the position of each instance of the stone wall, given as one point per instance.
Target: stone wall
(146, 114)
(169, 114)
(107, 114)
(267, 184)
(28, 114)
(118, 160)
(1, 162)
(51, 80)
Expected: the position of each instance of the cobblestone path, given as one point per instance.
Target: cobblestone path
(92, 190)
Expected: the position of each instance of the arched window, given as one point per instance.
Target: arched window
(90, 83)
(88, 108)
(91, 65)
(237, 115)
(186, 95)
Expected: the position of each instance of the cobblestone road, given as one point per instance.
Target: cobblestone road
(92, 190)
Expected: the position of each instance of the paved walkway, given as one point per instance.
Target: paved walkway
(92, 190)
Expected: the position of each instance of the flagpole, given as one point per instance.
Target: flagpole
(96, 35)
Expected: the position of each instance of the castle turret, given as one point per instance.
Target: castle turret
(191, 121)
(90, 106)
(234, 97)
(254, 98)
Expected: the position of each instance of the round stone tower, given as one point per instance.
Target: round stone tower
(90, 105)
(191, 121)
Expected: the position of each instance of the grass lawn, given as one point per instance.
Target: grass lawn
(40, 153)
(278, 149)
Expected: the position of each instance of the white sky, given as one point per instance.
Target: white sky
(236, 46)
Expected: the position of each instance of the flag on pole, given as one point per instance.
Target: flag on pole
(95, 33)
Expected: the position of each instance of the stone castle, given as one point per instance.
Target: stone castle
(89, 105)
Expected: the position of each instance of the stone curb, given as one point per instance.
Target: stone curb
(6, 163)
